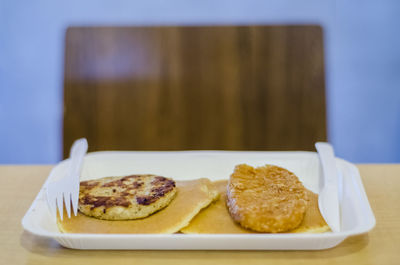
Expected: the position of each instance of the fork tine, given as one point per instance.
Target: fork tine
(67, 202)
(66, 190)
(60, 204)
(74, 200)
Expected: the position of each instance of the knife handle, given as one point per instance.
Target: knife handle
(328, 163)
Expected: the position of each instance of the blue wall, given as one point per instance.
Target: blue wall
(362, 65)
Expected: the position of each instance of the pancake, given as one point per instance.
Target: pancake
(191, 197)
(215, 219)
(125, 198)
(266, 199)
(313, 222)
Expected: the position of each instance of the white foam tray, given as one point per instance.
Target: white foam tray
(356, 213)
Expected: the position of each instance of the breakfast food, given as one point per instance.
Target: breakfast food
(191, 197)
(215, 219)
(266, 199)
(313, 222)
(125, 198)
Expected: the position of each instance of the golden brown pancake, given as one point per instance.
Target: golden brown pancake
(266, 199)
(191, 197)
(313, 222)
(125, 198)
(215, 219)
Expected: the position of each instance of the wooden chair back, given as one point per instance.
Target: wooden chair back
(194, 87)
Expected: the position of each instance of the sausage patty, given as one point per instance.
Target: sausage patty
(125, 198)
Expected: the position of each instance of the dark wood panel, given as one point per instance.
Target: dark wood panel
(172, 88)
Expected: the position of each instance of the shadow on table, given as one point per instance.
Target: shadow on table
(45, 248)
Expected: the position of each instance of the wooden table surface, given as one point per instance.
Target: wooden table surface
(20, 184)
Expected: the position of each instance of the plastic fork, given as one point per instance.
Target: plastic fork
(66, 190)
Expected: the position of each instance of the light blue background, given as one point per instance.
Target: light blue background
(362, 40)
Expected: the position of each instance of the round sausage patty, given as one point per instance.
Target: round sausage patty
(125, 198)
